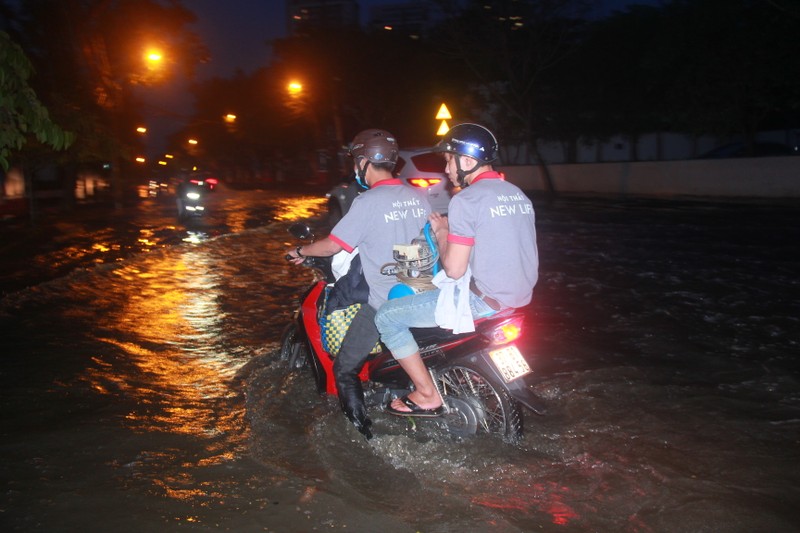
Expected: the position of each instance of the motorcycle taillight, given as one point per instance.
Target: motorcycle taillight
(424, 182)
(507, 331)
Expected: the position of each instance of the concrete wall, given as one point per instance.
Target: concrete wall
(660, 146)
(763, 177)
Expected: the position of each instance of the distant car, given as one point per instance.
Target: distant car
(211, 183)
(739, 149)
(205, 179)
(417, 168)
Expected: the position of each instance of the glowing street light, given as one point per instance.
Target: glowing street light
(230, 118)
(153, 56)
(141, 129)
(192, 141)
(153, 61)
(294, 88)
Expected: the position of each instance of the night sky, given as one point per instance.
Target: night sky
(237, 34)
(237, 31)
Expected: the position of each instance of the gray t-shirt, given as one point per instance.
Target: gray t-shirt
(387, 214)
(497, 220)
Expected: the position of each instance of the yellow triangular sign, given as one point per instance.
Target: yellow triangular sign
(443, 114)
(443, 128)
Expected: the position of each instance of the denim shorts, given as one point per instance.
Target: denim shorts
(395, 317)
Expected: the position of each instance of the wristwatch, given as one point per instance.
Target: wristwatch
(297, 251)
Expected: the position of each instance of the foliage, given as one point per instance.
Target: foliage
(351, 80)
(732, 64)
(91, 54)
(21, 113)
(509, 50)
(610, 85)
(541, 72)
(533, 70)
(364, 79)
(717, 67)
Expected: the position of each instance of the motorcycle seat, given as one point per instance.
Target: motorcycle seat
(436, 335)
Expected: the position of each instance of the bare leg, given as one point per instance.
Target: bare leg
(425, 394)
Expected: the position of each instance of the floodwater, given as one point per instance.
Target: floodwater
(141, 392)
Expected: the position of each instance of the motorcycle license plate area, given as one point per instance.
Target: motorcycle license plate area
(510, 363)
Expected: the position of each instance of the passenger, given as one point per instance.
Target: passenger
(387, 213)
(491, 230)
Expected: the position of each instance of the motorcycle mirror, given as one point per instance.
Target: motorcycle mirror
(301, 231)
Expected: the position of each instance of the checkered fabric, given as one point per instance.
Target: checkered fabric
(335, 327)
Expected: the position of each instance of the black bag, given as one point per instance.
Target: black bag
(350, 289)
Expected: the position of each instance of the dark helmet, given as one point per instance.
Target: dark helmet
(472, 140)
(376, 146)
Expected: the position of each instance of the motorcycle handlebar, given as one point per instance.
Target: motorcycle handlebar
(321, 264)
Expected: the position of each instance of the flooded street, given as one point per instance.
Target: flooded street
(141, 390)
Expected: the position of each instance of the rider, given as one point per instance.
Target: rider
(385, 214)
(491, 230)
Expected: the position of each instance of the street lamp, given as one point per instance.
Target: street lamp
(294, 88)
(152, 58)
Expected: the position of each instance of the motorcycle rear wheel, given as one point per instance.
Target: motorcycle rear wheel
(478, 396)
(293, 349)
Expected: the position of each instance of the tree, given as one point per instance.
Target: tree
(354, 80)
(610, 85)
(92, 54)
(22, 115)
(732, 64)
(508, 48)
(394, 82)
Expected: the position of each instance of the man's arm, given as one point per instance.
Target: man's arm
(453, 256)
(456, 260)
(321, 248)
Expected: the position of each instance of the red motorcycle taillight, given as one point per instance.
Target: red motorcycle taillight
(424, 182)
(506, 332)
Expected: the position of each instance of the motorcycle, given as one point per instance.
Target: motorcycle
(190, 198)
(482, 376)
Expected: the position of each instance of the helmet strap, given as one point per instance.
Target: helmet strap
(361, 175)
(462, 174)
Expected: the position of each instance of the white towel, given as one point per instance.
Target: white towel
(454, 312)
(340, 263)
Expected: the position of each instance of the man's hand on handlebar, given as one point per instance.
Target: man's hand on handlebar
(293, 257)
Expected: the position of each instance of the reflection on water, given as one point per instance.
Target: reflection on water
(171, 303)
(149, 385)
(545, 497)
(92, 236)
(147, 239)
(299, 209)
(195, 237)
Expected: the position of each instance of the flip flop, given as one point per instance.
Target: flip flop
(416, 410)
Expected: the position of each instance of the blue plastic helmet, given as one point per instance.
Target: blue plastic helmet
(470, 139)
(400, 290)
